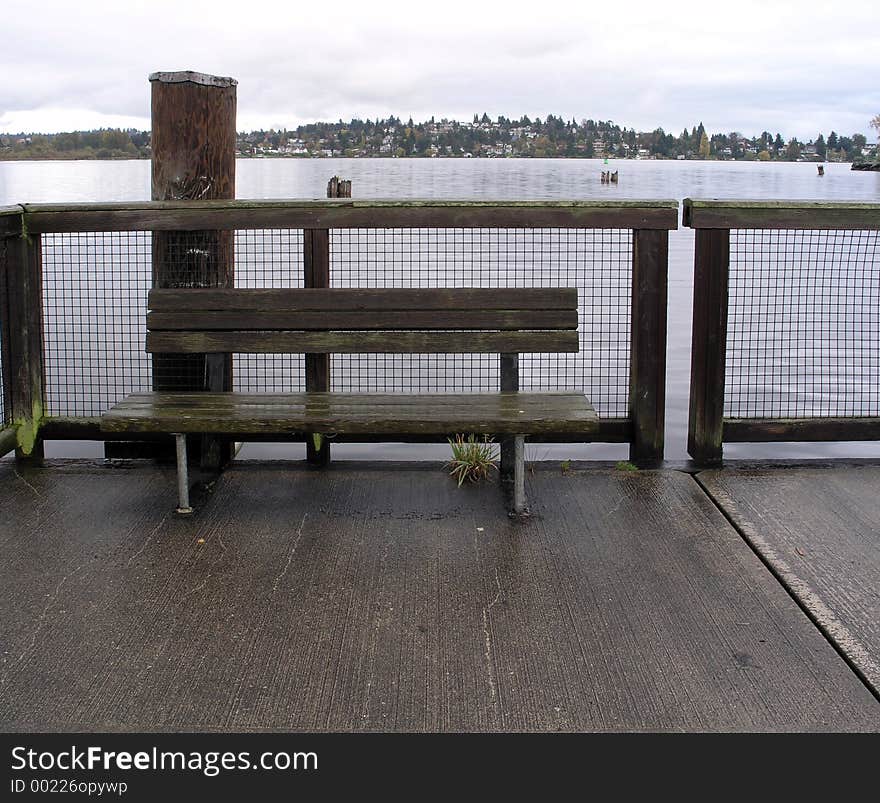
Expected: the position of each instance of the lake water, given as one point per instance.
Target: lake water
(499, 179)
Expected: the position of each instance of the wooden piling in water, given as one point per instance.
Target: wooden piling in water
(193, 159)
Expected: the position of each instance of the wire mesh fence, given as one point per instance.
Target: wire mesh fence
(95, 289)
(597, 262)
(803, 336)
(96, 285)
(269, 258)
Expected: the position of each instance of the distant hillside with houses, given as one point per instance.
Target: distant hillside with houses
(480, 137)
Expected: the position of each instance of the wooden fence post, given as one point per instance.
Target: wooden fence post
(647, 384)
(316, 262)
(23, 367)
(709, 345)
(8, 437)
(193, 158)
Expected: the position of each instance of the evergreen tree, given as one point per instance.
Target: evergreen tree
(704, 145)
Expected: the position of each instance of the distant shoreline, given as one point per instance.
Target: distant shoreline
(68, 158)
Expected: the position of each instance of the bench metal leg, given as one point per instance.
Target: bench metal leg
(519, 475)
(182, 476)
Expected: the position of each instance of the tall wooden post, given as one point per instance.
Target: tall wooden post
(316, 261)
(193, 150)
(709, 345)
(647, 386)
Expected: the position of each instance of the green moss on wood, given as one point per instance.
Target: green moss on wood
(27, 430)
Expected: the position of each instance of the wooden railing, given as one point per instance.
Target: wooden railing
(713, 222)
(21, 306)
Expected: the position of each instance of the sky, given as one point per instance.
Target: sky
(797, 68)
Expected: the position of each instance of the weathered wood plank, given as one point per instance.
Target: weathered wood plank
(711, 214)
(146, 398)
(239, 418)
(512, 413)
(610, 430)
(365, 299)
(801, 429)
(362, 342)
(299, 406)
(391, 320)
(345, 213)
(343, 425)
(708, 345)
(318, 418)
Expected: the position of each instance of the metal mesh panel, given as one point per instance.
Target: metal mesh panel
(269, 258)
(597, 262)
(94, 299)
(803, 337)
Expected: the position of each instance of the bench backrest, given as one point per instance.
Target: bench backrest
(360, 321)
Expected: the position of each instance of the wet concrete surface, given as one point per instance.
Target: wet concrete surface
(375, 598)
(818, 528)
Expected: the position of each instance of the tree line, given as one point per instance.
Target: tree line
(482, 136)
(104, 143)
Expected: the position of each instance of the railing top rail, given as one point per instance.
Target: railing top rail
(10, 220)
(347, 213)
(735, 214)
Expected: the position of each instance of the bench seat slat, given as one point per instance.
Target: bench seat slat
(365, 299)
(387, 320)
(385, 401)
(491, 413)
(363, 342)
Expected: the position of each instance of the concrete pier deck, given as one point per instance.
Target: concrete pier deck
(818, 529)
(377, 598)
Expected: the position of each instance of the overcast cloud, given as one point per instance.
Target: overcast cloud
(799, 68)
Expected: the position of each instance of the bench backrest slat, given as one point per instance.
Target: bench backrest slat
(393, 320)
(537, 342)
(337, 299)
(352, 321)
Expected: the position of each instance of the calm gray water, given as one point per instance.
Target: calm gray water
(500, 179)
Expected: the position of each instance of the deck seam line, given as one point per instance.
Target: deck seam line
(817, 623)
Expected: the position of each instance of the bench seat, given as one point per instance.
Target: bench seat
(511, 413)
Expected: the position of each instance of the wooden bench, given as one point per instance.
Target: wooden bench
(384, 321)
